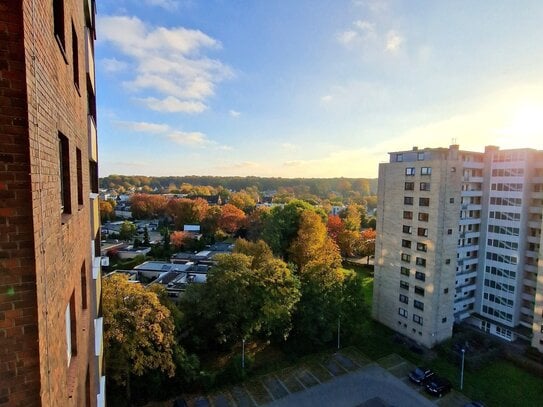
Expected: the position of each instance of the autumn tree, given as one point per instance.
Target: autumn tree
(254, 223)
(231, 218)
(312, 246)
(352, 217)
(242, 200)
(107, 210)
(334, 227)
(259, 251)
(187, 211)
(367, 243)
(210, 223)
(178, 239)
(349, 242)
(138, 331)
(147, 206)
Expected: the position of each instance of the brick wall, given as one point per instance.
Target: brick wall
(42, 250)
(19, 374)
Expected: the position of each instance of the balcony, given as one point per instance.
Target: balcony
(533, 239)
(535, 209)
(531, 268)
(532, 254)
(98, 335)
(528, 297)
(534, 224)
(469, 221)
(471, 193)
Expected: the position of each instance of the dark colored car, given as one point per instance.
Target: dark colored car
(438, 386)
(421, 375)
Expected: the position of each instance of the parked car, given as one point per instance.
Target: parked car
(438, 386)
(421, 375)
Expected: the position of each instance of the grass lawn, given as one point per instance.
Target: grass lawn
(366, 274)
(499, 384)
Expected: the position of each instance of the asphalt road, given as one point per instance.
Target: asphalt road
(354, 389)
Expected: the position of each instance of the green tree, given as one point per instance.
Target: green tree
(146, 241)
(281, 225)
(352, 218)
(240, 302)
(138, 331)
(127, 230)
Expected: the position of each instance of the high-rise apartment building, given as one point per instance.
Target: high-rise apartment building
(459, 239)
(50, 295)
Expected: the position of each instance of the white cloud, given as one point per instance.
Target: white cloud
(366, 28)
(234, 113)
(196, 139)
(113, 65)
(347, 37)
(326, 98)
(144, 127)
(289, 146)
(225, 148)
(165, 4)
(172, 104)
(393, 41)
(167, 61)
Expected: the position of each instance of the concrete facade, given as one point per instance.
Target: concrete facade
(50, 299)
(472, 254)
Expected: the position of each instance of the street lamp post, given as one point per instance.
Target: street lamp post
(243, 354)
(338, 330)
(462, 371)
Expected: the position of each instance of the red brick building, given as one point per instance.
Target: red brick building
(50, 292)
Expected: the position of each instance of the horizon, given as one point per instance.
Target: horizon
(311, 90)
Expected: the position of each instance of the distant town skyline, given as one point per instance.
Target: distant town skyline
(311, 88)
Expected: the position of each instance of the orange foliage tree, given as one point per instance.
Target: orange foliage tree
(231, 218)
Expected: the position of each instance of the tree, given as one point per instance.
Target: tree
(146, 240)
(281, 225)
(349, 243)
(254, 223)
(242, 200)
(107, 210)
(127, 230)
(187, 211)
(138, 331)
(316, 316)
(335, 226)
(178, 239)
(367, 243)
(231, 218)
(352, 217)
(312, 246)
(259, 251)
(146, 206)
(241, 302)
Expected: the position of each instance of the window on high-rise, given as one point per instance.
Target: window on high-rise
(426, 171)
(75, 57)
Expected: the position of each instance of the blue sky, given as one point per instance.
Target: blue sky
(314, 88)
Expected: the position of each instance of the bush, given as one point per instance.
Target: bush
(233, 373)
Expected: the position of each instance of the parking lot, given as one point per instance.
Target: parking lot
(346, 378)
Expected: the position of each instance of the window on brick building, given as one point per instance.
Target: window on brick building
(419, 261)
(84, 285)
(406, 257)
(408, 200)
(420, 276)
(402, 312)
(404, 299)
(58, 23)
(404, 285)
(406, 243)
(406, 229)
(409, 186)
(410, 171)
(404, 271)
(426, 171)
(79, 177)
(71, 338)
(424, 186)
(407, 215)
(422, 232)
(424, 201)
(417, 319)
(422, 247)
(75, 57)
(64, 167)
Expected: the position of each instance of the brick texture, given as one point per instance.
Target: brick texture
(42, 250)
